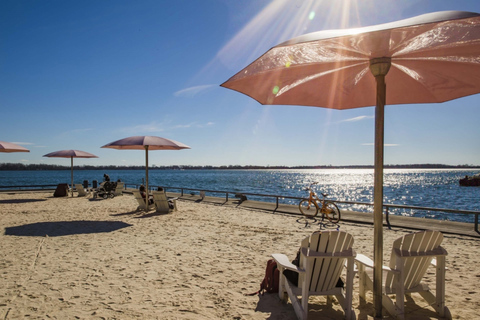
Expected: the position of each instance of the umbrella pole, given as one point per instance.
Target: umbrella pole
(71, 174)
(146, 177)
(379, 68)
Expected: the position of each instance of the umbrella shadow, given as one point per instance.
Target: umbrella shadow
(21, 200)
(65, 228)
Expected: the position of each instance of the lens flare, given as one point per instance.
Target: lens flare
(311, 15)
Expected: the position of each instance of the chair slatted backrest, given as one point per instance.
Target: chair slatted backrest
(80, 190)
(325, 272)
(140, 199)
(414, 267)
(119, 188)
(161, 201)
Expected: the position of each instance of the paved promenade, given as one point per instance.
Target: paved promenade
(448, 227)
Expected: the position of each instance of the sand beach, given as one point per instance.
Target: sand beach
(79, 258)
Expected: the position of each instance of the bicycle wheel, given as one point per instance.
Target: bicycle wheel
(308, 208)
(332, 212)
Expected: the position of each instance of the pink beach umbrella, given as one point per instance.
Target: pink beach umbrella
(70, 154)
(146, 143)
(430, 58)
(11, 147)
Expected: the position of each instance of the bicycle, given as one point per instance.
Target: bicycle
(311, 206)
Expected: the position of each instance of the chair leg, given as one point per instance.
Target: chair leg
(362, 281)
(329, 301)
(400, 289)
(349, 288)
(440, 286)
(282, 292)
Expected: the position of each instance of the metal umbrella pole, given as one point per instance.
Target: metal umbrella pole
(379, 68)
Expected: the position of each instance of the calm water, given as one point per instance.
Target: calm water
(414, 187)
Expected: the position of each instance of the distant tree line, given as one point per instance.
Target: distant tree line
(32, 167)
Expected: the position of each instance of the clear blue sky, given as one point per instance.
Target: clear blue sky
(81, 74)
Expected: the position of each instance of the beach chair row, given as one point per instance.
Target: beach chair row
(100, 191)
(328, 263)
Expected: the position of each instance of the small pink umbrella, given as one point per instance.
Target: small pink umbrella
(146, 143)
(70, 154)
(11, 147)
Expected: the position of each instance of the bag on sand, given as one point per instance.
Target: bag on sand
(270, 281)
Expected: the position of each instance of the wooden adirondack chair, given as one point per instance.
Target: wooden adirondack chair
(411, 256)
(81, 190)
(119, 189)
(142, 205)
(162, 203)
(323, 256)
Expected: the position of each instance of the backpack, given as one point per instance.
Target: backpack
(270, 281)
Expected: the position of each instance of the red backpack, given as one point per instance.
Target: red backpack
(270, 281)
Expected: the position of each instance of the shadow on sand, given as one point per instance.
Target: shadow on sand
(64, 228)
(21, 200)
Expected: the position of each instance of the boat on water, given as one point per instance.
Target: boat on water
(473, 181)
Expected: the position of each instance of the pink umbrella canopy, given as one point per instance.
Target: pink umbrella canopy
(146, 143)
(70, 154)
(426, 59)
(11, 147)
(432, 57)
(152, 142)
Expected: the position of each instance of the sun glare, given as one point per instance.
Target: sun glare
(281, 20)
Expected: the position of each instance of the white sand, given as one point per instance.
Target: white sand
(102, 260)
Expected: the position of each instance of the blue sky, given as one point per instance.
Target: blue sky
(81, 74)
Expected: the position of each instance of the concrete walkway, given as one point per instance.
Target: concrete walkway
(447, 227)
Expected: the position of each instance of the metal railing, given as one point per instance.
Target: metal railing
(387, 207)
(33, 187)
(277, 198)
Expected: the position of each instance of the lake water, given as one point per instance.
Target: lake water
(433, 188)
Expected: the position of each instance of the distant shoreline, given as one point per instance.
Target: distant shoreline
(43, 167)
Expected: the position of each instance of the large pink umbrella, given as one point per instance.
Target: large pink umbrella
(426, 59)
(70, 154)
(11, 147)
(146, 143)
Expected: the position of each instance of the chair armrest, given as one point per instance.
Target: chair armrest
(434, 263)
(367, 262)
(282, 260)
(363, 259)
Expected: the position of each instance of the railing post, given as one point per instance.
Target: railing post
(277, 203)
(476, 222)
(226, 196)
(388, 219)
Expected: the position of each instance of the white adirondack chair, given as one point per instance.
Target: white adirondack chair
(411, 256)
(119, 189)
(81, 190)
(162, 203)
(323, 256)
(142, 205)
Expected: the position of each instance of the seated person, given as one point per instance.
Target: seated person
(292, 276)
(143, 192)
(170, 201)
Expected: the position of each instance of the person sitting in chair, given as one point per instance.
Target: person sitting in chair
(143, 192)
(170, 201)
